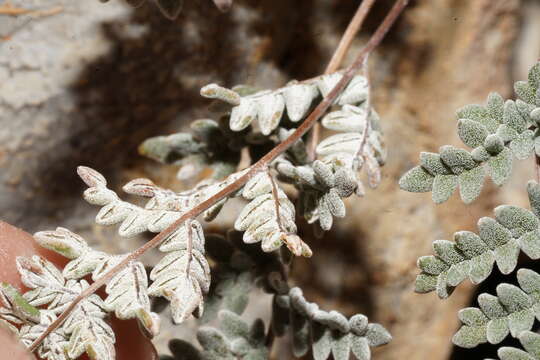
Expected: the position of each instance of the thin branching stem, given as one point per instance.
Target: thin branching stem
(189, 246)
(337, 59)
(275, 196)
(537, 161)
(259, 166)
(313, 141)
(367, 126)
(537, 167)
(348, 36)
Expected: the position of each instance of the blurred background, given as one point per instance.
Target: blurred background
(84, 83)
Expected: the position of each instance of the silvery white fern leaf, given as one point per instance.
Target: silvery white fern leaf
(269, 218)
(55, 346)
(127, 291)
(182, 276)
(163, 208)
(268, 107)
(86, 327)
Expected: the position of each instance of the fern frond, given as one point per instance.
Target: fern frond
(163, 208)
(360, 142)
(204, 148)
(269, 217)
(512, 311)
(336, 175)
(233, 275)
(268, 108)
(322, 187)
(326, 332)
(47, 283)
(89, 333)
(472, 256)
(29, 322)
(230, 293)
(322, 183)
(234, 340)
(127, 291)
(530, 342)
(55, 346)
(496, 131)
(15, 310)
(238, 268)
(182, 276)
(84, 331)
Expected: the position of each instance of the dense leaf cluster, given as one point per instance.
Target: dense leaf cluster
(252, 122)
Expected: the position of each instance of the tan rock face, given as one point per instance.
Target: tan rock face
(125, 76)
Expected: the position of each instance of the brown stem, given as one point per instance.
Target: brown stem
(275, 196)
(537, 167)
(313, 141)
(189, 246)
(367, 121)
(345, 43)
(260, 165)
(350, 33)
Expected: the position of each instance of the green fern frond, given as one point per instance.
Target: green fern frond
(530, 342)
(472, 256)
(512, 311)
(496, 132)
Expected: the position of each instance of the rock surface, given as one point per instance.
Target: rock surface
(89, 83)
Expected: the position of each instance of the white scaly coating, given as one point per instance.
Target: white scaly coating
(127, 291)
(84, 331)
(358, 144)
(55, 345)
(269, 217)
(183, 276)
(163, 208)
(295, 99)
(298, 99)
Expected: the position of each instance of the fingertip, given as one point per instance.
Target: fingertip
(131, 344)
(11, 347)
(15, 242)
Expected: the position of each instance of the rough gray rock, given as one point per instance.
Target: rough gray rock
(87, 85)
